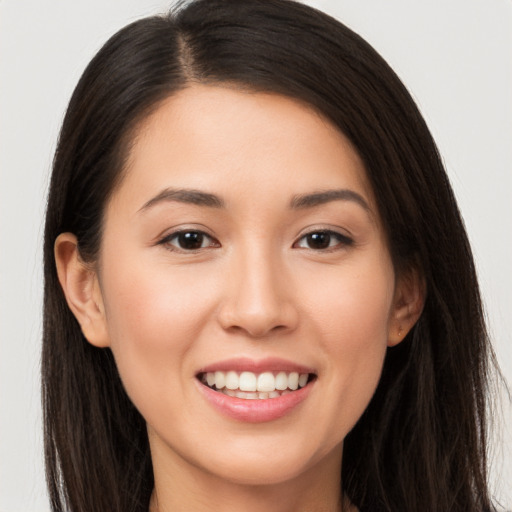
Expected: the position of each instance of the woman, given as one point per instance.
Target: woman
(259, 292)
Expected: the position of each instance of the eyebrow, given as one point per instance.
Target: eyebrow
(318, 198)
(188, 196)
(298, 202)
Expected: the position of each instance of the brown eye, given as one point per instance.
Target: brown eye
(321, 240)
(189, 241)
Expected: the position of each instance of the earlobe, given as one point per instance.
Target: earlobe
(82, 291)
(408, 305)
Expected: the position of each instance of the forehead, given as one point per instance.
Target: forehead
(225, 140)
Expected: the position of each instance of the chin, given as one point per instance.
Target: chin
(270, 471)
(263, 463)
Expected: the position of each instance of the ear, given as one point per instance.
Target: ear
(81, 289)
(408, 302)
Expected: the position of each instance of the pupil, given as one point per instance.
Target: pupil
(319, 240)
(190, 240)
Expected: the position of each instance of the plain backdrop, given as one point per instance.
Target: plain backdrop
(455, 56)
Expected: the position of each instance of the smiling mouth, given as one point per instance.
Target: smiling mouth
(255, 386)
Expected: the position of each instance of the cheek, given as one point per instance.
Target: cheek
(154, 313)
(353, 321)
(152, 304)
(354, 307)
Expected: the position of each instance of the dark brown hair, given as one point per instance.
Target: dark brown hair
(421, 444)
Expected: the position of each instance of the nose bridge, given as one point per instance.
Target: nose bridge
(257, 301)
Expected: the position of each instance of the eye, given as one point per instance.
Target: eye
(188, 240)
(322, 240)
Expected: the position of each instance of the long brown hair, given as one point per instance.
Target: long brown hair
(421, 444)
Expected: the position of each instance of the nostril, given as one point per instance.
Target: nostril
(256, 325)
(259, 305)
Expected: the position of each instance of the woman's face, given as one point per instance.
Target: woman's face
(243, 249)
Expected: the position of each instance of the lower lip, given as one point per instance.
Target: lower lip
(258, 410)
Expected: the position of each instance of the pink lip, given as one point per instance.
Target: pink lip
(255, 411)
(261, 410)
(270, 364)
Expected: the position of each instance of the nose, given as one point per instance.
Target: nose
(259, 298)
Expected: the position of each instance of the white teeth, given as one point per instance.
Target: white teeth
(232, 380)
(266, 382)
(249, 385)
(210, 379)
(247, 381)
(293, 381)
(220, 379)
(281, 381)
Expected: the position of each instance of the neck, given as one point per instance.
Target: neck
(248, 500)
(180, 487)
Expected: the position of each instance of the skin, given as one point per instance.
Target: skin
(256, 288)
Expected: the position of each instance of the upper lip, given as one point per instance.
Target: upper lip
(243, 364)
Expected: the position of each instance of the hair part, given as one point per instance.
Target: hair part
(420, 445)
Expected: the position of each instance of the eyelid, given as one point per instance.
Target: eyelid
(174, 233)
(345, 240)
(182, 228)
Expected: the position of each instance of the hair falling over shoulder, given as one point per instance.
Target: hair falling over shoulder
(421, 444)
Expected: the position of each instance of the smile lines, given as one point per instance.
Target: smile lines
(250, 385)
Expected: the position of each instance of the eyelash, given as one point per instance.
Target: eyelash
(167, 240)
(342, 240)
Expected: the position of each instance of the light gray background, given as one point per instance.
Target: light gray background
(454, 55)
